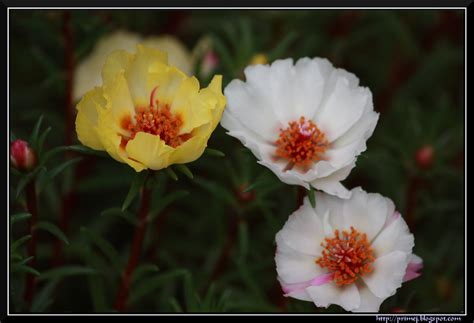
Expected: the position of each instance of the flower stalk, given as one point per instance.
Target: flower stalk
(138, 237)
(31, 205)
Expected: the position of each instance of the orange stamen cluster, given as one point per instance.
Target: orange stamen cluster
(301, 143)
(348, 256)
(157, 121)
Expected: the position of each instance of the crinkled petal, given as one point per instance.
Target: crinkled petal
(87, 118)
(331, 184)
(347, 297)
(394, 237)
(149, 150)
(387, 274)
(369, 303)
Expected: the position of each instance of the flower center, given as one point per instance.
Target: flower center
(301, 143)
(156, 119)
(348, 256)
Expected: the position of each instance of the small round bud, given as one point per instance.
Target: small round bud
(209, 63)
(22, 156)
(245, 196)
(424, 156)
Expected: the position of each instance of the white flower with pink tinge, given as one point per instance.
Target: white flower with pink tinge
(307, 122)
(352, 252)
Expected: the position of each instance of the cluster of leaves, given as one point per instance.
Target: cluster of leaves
(209, 243)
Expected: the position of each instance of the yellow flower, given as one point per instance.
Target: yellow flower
(147, 113)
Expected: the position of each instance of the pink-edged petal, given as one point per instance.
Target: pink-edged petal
(414, 267)
(369, 303)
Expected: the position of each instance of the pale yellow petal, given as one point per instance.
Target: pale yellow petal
(87, 118)
(149, 150)
(145, 61)
(117, 62)
(178, 54)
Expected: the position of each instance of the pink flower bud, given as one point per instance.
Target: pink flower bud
(209, 63)
(22, 156)
(424, 157)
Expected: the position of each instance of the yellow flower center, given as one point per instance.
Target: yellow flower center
(156, 119)
(348, 256)
(301, 143)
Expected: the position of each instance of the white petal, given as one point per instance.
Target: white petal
(369, 303)
(348, 296)
(396, 236)
(293, 266)
(281, 82)
(367, 212)
(331, 184)
(330, 208)
(361, 130)
(249, 106)
(300, 294)
(247, 137)
(303, 231)
(287, 177)
(341, 110)
(387, 274)
(308, 87)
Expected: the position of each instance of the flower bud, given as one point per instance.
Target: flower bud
(22, 156)
(424, 156)
(209, 63)
(259, 59)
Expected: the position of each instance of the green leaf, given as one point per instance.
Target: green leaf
(86, 150)
(24, 269)
(19, 242)
(150, 285)
(190, 296)
(171, 173)
(185, 170)
(41, 140)
(282, 46)
(53, 229)
(214, 152)
(216, 190)
(175, 305)
(135, 187)
(142, 270)
(66, 271)
(44, 298)
(25, 261)
(165, 201)
(105, 247)
(224, 54)
(50, 175)
(243, 240)
(116, 211)
(26, 179)
(34, 134)
(19, 217)
(311, 196)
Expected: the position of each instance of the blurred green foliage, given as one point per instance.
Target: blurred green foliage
(210, 241)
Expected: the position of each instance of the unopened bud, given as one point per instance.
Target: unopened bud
(424, 157)
(209, 63)
(259, 59)
(22, 156)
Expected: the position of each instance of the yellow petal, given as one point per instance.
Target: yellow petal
(111, 140)
(214, 98)
(87, 118)
(120, 101)
(117, 62)
(144, 62)
(149, 150)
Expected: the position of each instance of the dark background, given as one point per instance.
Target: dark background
(214, 244)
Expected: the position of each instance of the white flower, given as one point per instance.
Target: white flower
(352, 252)
(307, 122)
(88, 73)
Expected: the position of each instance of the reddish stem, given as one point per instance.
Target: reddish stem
(122, 295)
(68, 198)
(31, 205)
